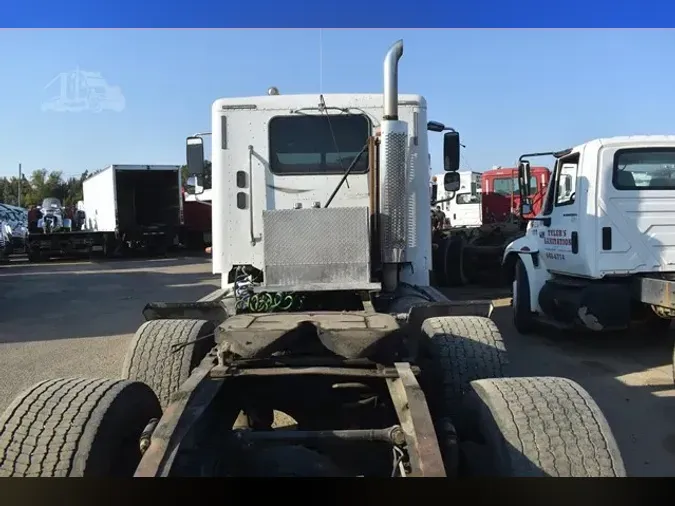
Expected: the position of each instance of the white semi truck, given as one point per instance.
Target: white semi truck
(325, 327)
(600, 255)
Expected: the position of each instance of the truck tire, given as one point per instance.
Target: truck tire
(76, 427)
(35, 256)
(523, 319)
(657, 326)
(438, 261)
(453, 262)
(544, 426)
(109, 246)
(152, 359)
(463, 349)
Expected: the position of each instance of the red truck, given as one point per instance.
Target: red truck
(472, 255)
(500, 196)
(196, 233)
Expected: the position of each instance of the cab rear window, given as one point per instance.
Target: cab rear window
(305, 144)
(644, 169)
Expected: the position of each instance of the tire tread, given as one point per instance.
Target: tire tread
(550, 426)
(41, 432)
(152, 359)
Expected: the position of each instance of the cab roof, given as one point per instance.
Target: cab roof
(338, 100)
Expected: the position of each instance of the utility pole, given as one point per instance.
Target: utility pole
(19, 197)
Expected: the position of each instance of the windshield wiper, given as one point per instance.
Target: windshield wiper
(346, 174)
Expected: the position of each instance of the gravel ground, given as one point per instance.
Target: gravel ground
(76, 319)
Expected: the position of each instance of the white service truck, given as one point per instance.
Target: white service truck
(325, 325)
(133, 206)
(601, 253)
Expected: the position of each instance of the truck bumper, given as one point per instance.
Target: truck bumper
(654, 291)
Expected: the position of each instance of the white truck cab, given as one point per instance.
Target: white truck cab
(290, 153)
(464, 209)
(323, 193)
(601, 254)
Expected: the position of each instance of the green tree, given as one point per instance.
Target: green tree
(206, 178)
(40, 184)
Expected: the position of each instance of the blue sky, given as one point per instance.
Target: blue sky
(506, 91)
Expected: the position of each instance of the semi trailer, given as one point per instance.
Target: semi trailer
(325, 352)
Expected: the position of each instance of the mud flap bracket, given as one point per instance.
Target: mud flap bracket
(419, 313)
(201, 310)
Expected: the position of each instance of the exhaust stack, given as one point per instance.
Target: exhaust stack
(391, 81)
(394, 207)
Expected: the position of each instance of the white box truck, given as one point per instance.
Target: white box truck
(134, 206)
(124, 207)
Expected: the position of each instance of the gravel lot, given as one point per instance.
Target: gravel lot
(68, 319)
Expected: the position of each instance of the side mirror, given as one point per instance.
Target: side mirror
(193, 185)
(195, 155)
(451, 181)
(526, 207)
(524, 178)
(434, 192)
(435, 126)
(451, 151)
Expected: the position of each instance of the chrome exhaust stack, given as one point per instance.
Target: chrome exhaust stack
(394, 207)
(391, 81)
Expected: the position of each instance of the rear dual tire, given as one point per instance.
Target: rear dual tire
(537, 427)
(512, 427)
(76, 427)
(164, 353)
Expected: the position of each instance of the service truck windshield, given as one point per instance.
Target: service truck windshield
(644, 169)
(506, 186)
(322, 144)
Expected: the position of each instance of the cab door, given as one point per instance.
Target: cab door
(466, 211)
(558, 232)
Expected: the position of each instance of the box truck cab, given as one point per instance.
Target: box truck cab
(601, 252)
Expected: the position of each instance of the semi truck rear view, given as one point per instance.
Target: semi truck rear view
(134, 206)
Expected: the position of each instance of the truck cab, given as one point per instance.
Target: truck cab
(312, 158)
(463, 207)
(601, 252)
(501, 195)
